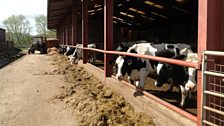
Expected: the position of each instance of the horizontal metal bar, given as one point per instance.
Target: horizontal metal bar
(92, 49)
(214, 73)
(214, 53)
(156, 58)
(214, 94)
(209, 123)
(214, 110)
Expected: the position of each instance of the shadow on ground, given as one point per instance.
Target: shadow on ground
(10, 56)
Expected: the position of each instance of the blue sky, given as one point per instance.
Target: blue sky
(28, 8)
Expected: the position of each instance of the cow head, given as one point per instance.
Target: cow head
(123, 47)
(125, 64)
(163, 73)
(191, 83)
(73, 59)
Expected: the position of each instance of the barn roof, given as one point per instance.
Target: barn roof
(136, 13)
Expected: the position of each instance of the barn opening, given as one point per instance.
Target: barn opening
(156, 21)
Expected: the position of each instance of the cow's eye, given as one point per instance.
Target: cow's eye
(129, 62)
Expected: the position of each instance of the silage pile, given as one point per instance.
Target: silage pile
(94, 104)
(52, 51)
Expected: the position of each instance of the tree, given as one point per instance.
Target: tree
(51, 34)
(18, 28)
(41, 24)
(41, 27)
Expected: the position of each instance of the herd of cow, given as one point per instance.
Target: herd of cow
(139, 69)
(74, 54)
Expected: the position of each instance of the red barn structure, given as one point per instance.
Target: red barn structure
(199, 23)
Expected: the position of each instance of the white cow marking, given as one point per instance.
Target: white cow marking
(119, 61)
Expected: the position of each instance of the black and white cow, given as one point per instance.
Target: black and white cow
(69, 50)
(77, 54)
(180, 76)
(62, 49)
(138, 69)
(123, 47)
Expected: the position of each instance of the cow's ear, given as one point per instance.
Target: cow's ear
(129, 62)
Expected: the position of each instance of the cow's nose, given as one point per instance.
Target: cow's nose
(190, 88)
(119, 77)
(157, 84)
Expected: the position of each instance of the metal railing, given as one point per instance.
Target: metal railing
(208, 94)
(156, 58)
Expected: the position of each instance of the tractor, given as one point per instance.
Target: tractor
(39, 44)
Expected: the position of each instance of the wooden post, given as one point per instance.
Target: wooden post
(64, 33)
(108, 35)
(85, 31)
(74, 23)
(61, 34)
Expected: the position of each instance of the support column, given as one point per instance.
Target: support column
(108, 35)
(70, 29)
(202, 45)
(62, 34)
(64, 31)
(74, 23)
(58, 33)
(85, 35)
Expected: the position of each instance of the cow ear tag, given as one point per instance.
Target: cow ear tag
(129, 62)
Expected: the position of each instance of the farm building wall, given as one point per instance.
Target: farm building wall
(2, 34)
(216, 26)
(2, 39)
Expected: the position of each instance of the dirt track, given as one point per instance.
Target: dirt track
(26, 93)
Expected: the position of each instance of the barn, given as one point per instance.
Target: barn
(107, 23)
